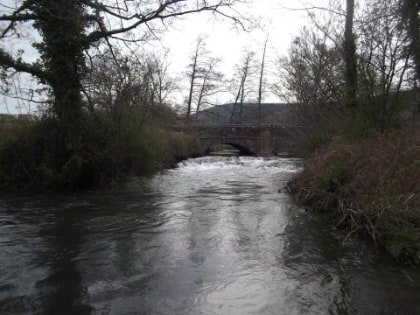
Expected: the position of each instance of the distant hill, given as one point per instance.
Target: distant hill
(271, 113)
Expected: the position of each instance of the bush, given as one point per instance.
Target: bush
(335, 177)
(315, 141)
(39, 156)
(180, 146)
(372, 187)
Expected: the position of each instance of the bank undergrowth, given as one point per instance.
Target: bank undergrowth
(371, 187)
(36, 155)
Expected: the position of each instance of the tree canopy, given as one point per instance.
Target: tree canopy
(69, 28)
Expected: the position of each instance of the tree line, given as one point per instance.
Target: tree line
(352, 68)
(102, 117)
(355, 69)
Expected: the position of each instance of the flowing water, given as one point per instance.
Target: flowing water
(217, 235)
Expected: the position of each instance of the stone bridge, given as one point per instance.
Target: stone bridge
(249, 139)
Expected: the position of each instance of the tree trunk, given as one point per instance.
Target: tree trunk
(260, 86)
(350, 57)
(194, 72)
(61, 25)
(190, 94)
(410, 11)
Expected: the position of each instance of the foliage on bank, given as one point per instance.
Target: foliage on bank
(36, 155)
(371, 187)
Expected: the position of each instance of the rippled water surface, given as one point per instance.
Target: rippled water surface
(216, 235)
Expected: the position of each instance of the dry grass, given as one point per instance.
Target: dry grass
(372, 187)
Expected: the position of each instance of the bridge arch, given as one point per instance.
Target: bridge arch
(243, 150)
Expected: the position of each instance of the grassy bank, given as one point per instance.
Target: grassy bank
(371, 187)
(36, 155)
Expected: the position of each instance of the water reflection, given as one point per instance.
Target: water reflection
(62, 289)
(211, 237)
(358, 278)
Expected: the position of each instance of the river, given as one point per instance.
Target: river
(216, 235)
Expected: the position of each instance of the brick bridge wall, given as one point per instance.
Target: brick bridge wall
(262, 140)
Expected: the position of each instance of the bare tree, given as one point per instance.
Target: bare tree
(384, 63)
(203, 77)
(69, 28)
(194, 72)
(350, 57)
(311, 76)
(209, 85)
(128, 88)
(376, 53)
(261, 79)
(244, 72)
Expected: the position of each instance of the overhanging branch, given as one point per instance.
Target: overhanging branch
(7, 61)
(165, 11)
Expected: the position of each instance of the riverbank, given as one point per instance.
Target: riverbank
(35, 155)
(371, 188)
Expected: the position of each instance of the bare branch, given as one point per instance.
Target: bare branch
(165, 11)
(7, 61)
(313, 8)
(16, 16)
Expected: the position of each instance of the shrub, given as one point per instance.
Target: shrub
(335, 177)
(40, 157)
(371, 186)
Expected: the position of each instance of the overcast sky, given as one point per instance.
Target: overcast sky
(225, 41)
(277, 22)
(228, 42)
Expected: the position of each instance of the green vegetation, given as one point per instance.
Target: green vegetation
(102, 98)
(35, 155)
